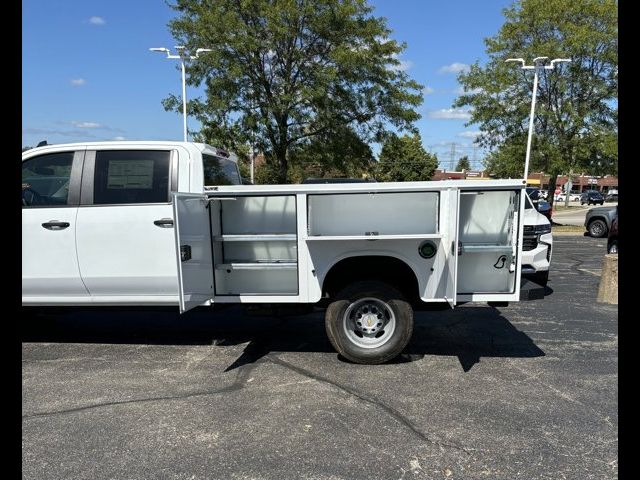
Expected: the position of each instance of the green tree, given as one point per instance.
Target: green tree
(403, 159)
(576, 119)
(463, 164)
(285, 72)
(337, 153)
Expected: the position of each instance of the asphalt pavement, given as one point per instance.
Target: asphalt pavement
(525, 391)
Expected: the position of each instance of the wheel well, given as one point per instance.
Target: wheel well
(592, 219)
(386, 269)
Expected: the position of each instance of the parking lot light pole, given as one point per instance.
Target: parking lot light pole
(535, 67)
(183, 56)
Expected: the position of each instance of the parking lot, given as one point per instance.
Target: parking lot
(525, 391)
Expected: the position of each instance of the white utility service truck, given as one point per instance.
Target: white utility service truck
(160, 223)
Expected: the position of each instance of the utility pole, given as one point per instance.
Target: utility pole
(453, 155)
(183, 56)
(253, 157)
(568, 187)
(535, 67)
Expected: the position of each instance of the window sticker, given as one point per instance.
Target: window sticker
(130, 174)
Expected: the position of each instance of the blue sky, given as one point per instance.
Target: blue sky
(87, 73)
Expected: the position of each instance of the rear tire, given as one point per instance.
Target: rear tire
(370, 322)
(598, 229)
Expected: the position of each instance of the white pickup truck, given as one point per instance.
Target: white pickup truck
(169, 223)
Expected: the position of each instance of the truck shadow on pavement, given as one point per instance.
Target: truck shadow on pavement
(468, 333)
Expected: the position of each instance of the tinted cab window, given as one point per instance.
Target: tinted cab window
(220, 171)
(131, 176)
(45, 180)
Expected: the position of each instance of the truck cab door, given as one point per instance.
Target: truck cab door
(193, 250)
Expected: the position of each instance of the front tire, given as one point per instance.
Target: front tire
(370, 322)
(541, 278)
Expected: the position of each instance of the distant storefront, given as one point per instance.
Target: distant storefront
(580, 183)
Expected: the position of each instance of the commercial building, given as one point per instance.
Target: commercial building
(580, 183)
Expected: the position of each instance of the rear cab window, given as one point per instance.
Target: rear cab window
(220, 171)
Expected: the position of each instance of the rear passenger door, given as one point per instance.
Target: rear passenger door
(125, 237)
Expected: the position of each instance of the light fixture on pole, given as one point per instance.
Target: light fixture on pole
(535, 67)
(183, 56)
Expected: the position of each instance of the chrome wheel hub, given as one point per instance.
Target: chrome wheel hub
(369, 322)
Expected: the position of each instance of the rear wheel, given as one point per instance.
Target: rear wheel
(370, 322)
(597, 228)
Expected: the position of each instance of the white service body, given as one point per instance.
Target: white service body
(106, 233)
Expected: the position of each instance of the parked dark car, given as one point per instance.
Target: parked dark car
(612, 242)
(598, 221)
(612, 197)
(591, 197)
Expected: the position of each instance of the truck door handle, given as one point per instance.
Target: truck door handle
(55, 225)
(164, 222)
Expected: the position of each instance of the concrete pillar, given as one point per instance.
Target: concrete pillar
(608, 291)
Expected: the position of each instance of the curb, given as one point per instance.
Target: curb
(568, 234)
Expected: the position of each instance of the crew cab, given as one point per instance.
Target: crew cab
(97, 219)
(170, 223)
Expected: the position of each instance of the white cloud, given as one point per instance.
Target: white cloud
(86, 124)
(461, 91)
(470, 134)
(78, 82)
(79, 134)
(428, 90)
(97, 21)
(450, 114)
(119, 139)
(454, 68)
(405, 65)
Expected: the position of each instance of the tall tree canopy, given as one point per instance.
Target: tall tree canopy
(283, 73)
(463, 164)
(576, 119)
(404, 159)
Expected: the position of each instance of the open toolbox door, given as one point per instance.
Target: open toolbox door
(193, 250)
(451, 246)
